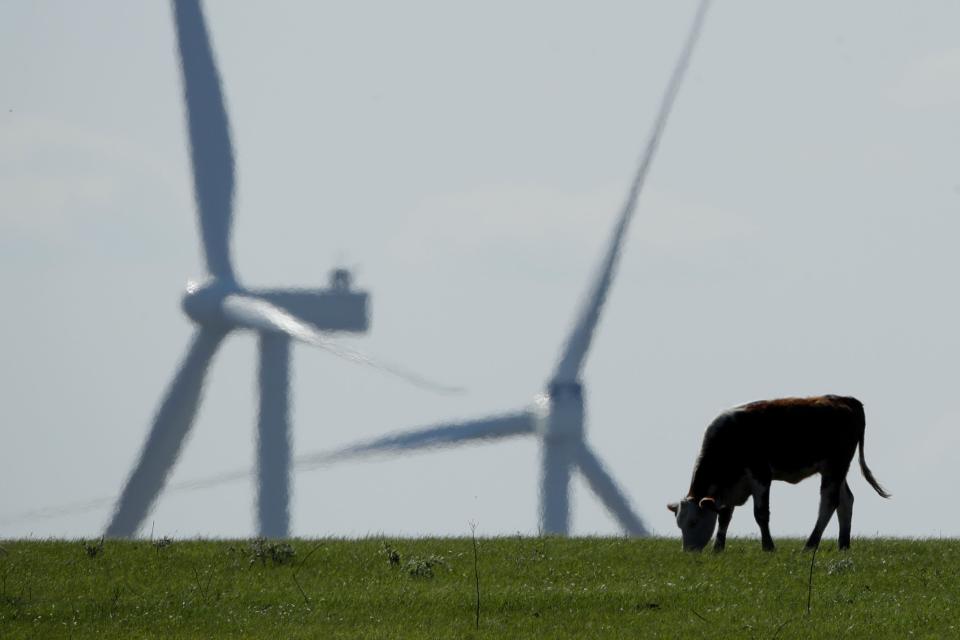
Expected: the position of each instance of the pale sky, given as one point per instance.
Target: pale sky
(797, 236)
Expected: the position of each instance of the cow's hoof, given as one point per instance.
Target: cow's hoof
(769, 548)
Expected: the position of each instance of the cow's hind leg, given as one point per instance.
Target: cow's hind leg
(845, 515)
(723, 521)
(830, 489)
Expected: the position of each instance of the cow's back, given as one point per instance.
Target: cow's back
(800, 434)
(793, 436)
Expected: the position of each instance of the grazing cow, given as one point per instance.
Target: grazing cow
(790, 439)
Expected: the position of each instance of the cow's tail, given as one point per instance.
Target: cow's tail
(858, 408)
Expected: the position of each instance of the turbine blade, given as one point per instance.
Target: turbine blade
(211, 151)
(44, 513)
(444, 435)
(606, 489)
(492, 428)
(167, 434)
(578, 344)
(256, 313)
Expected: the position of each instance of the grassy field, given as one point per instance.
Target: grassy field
(427, 588)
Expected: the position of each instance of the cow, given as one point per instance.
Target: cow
(790, 439)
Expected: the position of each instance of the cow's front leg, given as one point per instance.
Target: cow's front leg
(723, 521)
(761, 511)
(829, 500)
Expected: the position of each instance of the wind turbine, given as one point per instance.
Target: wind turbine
(557, 414)
(221, 304)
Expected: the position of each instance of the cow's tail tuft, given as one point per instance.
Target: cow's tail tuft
(858, 407)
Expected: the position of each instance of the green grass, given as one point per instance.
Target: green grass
(425, 588)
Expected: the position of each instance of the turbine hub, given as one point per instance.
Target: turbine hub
(202, 301)
(564, 415)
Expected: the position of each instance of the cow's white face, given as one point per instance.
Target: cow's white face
(696, 523)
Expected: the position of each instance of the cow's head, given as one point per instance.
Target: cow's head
(696, 520)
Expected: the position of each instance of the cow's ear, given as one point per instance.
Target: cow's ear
(674, 506)
(709, 503)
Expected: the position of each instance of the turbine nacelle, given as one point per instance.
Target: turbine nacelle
(213, 303)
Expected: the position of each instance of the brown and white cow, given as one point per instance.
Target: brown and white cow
(789, 439)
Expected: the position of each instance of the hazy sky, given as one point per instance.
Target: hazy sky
(798, 235)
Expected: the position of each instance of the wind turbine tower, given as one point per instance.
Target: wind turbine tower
(220, 305)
